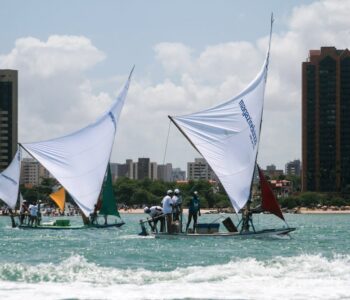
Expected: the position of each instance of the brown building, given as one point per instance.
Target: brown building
(8, 116)
(326, 120)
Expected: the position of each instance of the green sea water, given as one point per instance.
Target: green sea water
(118, 264)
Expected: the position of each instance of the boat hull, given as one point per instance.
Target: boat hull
(267, 233)
(53, 227)
(50, 227)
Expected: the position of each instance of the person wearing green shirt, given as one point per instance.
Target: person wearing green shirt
(194, 210)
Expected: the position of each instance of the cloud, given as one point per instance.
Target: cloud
(56, 96)
(200, 79)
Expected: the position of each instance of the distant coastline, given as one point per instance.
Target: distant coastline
(302, 210)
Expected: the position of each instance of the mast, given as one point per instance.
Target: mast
(185, 135)
(262, 111)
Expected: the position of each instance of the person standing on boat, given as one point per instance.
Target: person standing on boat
(177, 202)
(156, 213)
(194, 210)
(168, 210)
(33, 212)
(39, 213)
(93, 215)
(23, 212)
(246, 217)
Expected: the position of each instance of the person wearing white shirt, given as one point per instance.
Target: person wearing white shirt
(177, 202)
(168, 210)
(156, 213)
(33, 212)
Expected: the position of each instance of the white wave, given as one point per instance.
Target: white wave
(299, 277)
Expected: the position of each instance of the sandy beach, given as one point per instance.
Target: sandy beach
(302, 210)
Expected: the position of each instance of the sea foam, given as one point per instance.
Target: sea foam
(298, 277)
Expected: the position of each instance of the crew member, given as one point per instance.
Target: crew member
(156, 213)
(33, 212)
(177, 202)
(246, 217)
(93, 215)
(23, 211)
(193, 211)
(168, 210)
(39, 213)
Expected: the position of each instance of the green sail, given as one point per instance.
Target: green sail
(109, 203)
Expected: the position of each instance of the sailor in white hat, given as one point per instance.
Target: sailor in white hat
(168, 209)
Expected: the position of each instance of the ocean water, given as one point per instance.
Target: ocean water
(119, 264)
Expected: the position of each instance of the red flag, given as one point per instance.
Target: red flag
(269, 201)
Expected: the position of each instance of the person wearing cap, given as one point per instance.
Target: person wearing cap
(156, 213)
(168, 210)
(177, 202)
(23, 211)
(194, 210)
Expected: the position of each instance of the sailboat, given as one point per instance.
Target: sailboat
(227, 136)
(108, 204)
(9, 184)
(79, 160)
(107, 207)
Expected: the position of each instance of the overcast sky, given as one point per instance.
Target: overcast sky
(74, 56)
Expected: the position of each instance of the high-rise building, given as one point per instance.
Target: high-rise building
(199, 169)
(178, 175)
(143, 168)
(153, 171)
(8, 116)
(32, 172)
(325, 120)
(293, 167)
(164, 172)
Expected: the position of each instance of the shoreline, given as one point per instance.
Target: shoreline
(301, 211)
(207, 211)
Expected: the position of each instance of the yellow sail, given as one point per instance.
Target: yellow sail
(59, 198)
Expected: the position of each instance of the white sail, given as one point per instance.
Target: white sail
(227, 136)
(9, 181)
(79, 160)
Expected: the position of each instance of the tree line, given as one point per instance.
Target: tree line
(131, 192)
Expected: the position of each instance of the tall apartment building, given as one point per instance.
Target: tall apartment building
(8, 116)
(293, 167)
(143, 168)
(325, 120)
(165, 172)
(153, 171)
(199, 169)
(32, 172)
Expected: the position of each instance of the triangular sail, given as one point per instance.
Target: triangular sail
(79, 160)
(59, 197)
(109, 203)
(227, 136)
(9, 181)
(268, 199)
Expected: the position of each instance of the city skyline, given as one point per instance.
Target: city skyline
(69, 74)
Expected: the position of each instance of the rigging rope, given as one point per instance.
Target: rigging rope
(166, 144)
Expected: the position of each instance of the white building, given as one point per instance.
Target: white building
(199, 169)
(32, 172)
